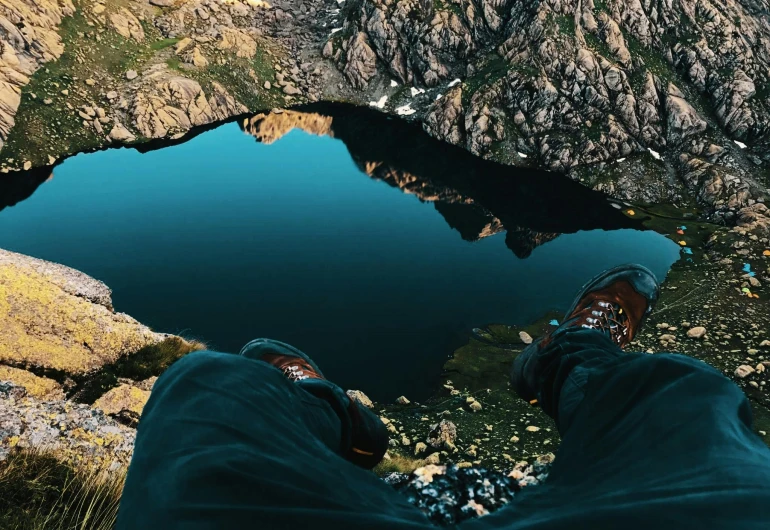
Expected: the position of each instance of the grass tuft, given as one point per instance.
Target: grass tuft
(150, 361)
(39, 490)
(398, 464)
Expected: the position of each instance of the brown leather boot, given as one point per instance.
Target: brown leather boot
(365, 438)
(615, 303)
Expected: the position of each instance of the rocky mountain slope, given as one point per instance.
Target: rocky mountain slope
(653, 94)
(648, 101)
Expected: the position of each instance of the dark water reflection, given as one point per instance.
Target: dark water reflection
(228, 238)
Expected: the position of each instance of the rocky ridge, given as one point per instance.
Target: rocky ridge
(642, 100)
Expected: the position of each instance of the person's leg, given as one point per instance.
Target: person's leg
(226, 441)
(660, 441)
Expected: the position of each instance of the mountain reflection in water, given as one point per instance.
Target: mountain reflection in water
(477, 197)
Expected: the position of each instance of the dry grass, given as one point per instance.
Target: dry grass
(150, 361)
(38, 490)
(398, 464)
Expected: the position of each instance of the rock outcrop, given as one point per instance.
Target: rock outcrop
(121, 398)
(168, 104)
(56, 318)
(575, 85)
(73, 431)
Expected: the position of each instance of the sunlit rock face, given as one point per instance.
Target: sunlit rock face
(577, 85)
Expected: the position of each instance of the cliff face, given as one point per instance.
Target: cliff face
(650, 94)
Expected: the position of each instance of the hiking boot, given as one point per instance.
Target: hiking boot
(368, 435)
(615, 303)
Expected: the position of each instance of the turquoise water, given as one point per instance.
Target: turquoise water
(226, 239)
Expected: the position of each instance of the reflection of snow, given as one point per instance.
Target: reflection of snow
(416, 91)
(379, 104)
(393, 83)
(455, 82)
(522, 155)
(335, 30)
(740, 144)
(405, 110)
(654, 154)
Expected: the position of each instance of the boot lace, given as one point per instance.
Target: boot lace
(294, 373)
(610, 319)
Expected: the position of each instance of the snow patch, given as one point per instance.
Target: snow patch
(379, 104)
(405, 110)
(740, 144)
(393, 83)
(455, 82)
(417, 91)
(621, 159)
(335, 30)
(654, 154)
(439, 96)
(522, 155)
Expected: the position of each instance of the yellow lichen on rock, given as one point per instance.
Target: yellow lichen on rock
(39, 387)
(62, 326)
(123, 397)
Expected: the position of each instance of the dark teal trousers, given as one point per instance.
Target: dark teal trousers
(649, 442)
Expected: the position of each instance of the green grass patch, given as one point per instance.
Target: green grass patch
(598, 45)
(441, 5)
(491, 68)
(653, 59)
(566, 24)
(163, 44)
(174, 63)
(234, 75)
(40, 491)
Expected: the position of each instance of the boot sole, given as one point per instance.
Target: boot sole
(280, 348)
